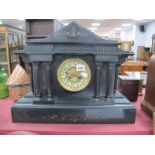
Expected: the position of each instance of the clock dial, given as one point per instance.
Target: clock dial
(74, 74)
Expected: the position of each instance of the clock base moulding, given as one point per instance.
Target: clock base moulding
(115, 110)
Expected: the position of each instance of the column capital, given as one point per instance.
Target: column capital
(98, 63)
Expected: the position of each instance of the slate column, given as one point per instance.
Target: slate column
(111, 78)
(36, 79)
(116, 77)
(104, 83)
(48, 78)
(31, 76)
(98, 76)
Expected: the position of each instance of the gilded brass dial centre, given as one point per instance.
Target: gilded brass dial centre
(74, 74)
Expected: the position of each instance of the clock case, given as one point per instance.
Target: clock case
(48, 102)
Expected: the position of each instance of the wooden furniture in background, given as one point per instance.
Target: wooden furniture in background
(148, 105)
(133, 66)
(144, 53)
(153, 44)
(126, 45)
(131, 84)
(141, 76)
(128, 87)
(11, 39)
(41, 28)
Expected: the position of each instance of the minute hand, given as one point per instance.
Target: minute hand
(80, 77)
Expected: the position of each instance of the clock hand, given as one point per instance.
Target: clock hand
(79, 77)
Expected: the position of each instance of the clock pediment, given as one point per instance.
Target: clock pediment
(74, 33)
(72, 38)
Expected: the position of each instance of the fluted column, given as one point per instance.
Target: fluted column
(116, 77)
(36, 79)
(104, 80)
(98, 75)
(31, 76)
(111, 78)
(48, 78)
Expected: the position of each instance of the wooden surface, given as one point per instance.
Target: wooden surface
(133, 66)
(143, 54)
(149, 100)
(129, 87)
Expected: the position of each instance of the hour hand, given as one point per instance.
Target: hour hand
(72, 74)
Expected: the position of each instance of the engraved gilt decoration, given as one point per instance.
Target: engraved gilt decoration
(73, 32)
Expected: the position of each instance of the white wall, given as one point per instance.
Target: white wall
(150, 30)
(143, 38)
(134, 35)
(116, 35)
(127, 35)
(139, 38)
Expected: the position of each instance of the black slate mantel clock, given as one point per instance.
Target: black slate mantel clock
(74, 80)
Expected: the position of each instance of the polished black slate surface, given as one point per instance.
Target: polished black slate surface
(116, 110)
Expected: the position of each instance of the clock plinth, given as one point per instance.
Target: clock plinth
(116, 110)
(74, 77)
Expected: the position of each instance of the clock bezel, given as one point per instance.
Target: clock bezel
(67, 87)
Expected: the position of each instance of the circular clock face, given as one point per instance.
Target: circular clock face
(74, 74)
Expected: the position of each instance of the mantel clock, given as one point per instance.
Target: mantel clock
(74, 77)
